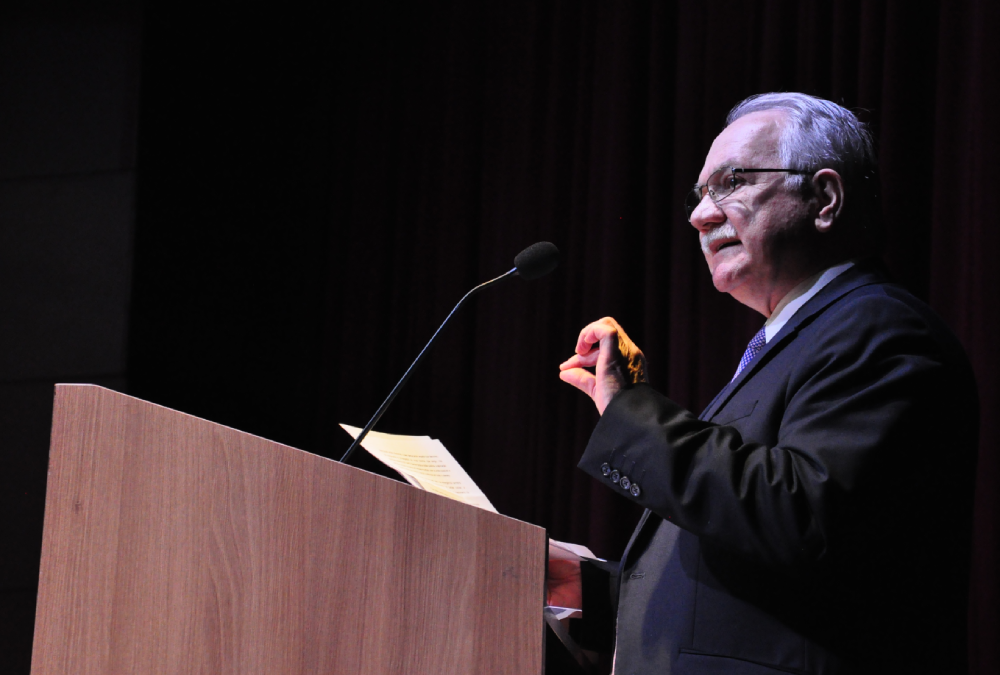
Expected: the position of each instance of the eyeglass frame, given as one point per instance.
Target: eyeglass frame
(690, 205)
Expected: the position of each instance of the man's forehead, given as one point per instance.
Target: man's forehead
(751, 138)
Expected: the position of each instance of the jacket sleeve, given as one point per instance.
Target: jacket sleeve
(849, 422)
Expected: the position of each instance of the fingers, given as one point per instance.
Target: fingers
(616, 361)
(616, 349)
(588, 360)
(595, 332)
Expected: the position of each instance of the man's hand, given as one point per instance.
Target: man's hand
(617, 362)
(565, 585)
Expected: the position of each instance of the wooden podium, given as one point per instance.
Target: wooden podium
(175, 545)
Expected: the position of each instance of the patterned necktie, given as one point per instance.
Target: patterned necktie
(756, 344)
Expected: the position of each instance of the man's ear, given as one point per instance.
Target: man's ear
(829, 191)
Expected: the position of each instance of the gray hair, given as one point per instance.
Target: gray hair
(823, 135)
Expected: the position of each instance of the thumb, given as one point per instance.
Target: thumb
(579, 378)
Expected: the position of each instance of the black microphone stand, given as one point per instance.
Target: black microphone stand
(406, 376)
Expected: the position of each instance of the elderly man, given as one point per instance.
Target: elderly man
(816, 517)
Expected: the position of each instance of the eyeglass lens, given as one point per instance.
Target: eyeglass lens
(719, 186)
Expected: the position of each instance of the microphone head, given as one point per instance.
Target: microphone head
(537, 260)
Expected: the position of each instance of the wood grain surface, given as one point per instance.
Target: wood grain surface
(176, 545)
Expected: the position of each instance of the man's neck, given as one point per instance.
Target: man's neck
(795, 292)
(767, 302)
(783, 291)
(799, 296)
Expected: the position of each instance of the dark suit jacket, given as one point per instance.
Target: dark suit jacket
(815, 518)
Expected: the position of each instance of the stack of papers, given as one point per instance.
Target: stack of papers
(425, 463)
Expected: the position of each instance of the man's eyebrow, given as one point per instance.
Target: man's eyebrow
(728, 164)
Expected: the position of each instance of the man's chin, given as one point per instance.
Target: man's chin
(737, 283)
(727, 277)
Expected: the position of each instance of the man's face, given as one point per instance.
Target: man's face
(750, 238)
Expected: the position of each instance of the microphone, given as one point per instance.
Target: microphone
(537, 260)
(532, 263)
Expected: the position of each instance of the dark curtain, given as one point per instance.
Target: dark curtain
(319, 186)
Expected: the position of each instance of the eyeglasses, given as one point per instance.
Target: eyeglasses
(723, 183)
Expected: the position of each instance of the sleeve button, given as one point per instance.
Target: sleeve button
(615, 476)
(605, 469)
(625, 483)
(635, 490)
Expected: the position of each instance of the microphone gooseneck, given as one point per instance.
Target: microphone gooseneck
(533, 262)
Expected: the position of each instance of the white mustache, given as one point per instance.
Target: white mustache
(725, 231)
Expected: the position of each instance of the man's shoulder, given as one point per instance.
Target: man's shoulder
(868, 319)
(864, 298)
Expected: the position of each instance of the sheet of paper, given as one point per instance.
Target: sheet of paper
(425, 463)
(560, 550)
(560, 613)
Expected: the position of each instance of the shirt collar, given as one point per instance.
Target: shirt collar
(799, 296)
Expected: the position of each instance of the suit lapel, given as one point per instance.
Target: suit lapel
(714, 405)
(857, 276)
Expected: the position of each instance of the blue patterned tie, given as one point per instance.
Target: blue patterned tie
(756, 344)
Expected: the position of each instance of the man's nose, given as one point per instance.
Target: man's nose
(707, 215)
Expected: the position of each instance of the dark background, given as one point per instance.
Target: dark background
(258, 216)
